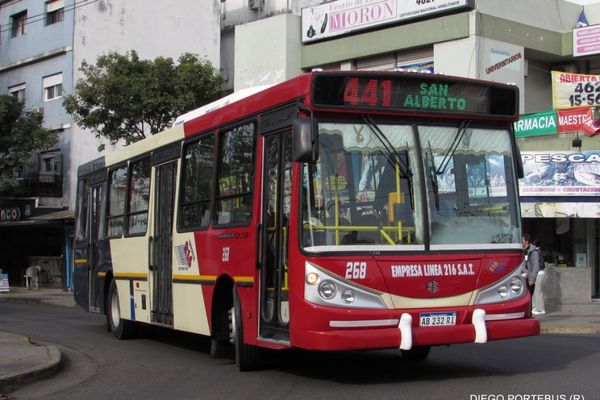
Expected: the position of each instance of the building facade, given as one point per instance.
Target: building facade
(262, 42)
(42, 45)
(510, 41)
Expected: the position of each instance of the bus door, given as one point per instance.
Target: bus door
(274, 303)
(87, 248)
(161, 243)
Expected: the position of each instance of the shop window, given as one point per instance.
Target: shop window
(196, 184)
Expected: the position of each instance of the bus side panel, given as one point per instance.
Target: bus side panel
(81, 274)
(190, 312)
(130, 270)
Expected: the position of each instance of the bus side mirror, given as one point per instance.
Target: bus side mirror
(305, 146)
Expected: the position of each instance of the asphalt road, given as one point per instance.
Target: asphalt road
(170, 365)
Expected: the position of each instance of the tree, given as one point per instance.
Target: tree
(125, 98)
(21, 135)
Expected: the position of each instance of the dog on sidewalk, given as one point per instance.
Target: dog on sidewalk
(32, 277)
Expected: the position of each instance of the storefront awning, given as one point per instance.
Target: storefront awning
(60, 217)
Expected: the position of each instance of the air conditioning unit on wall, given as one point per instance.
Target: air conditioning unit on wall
(256, 4)
(38, 110)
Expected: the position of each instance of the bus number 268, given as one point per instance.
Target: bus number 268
(356, 270)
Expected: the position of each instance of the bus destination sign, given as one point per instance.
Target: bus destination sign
(414, 93)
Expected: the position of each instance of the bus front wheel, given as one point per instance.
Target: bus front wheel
(121, 328)
(247, 357)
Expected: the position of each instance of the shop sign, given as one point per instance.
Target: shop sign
(344, 16)
(581, 119)
(10, 214)
(586, 41)
(575, 90)
(503, 60)
(426, 67)
(567, 173)
(12, 210)
(560, 210)
(543, 123)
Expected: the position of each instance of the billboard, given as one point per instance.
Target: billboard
(345, 16)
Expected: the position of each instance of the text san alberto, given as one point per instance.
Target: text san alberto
(418, 270)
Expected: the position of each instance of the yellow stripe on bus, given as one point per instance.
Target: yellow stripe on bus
(245, 279)
(194, 278)
(101, 274)
(131, 275)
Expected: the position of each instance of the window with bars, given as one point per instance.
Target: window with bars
(18, 24)
(55, 11)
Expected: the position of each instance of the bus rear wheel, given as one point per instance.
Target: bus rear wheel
(121, 328)
(417, 353)
(247, 357)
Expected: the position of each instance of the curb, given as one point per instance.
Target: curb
(41, 370)
(569, 330)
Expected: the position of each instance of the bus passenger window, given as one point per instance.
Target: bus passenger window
(235, 176)
(139, 197)
(196, 184)
(117, 193)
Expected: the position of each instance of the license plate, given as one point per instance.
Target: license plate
(437, 319)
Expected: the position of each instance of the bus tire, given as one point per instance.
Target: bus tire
(121, 328)
(417, 353)
(247, 357)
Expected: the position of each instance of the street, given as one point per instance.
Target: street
(171, 365)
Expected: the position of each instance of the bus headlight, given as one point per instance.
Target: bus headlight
(348, 296)
(512, 287)
(503, 292)
(327, 289)
(516, 285)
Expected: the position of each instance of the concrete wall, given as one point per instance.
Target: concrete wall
(39, 38)
(166, 28)
(267, 51)
(567, 286)
(42, 51)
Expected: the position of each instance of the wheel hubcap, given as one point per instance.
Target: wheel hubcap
(115, 314)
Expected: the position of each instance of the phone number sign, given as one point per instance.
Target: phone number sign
(575, 90)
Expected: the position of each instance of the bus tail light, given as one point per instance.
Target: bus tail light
(326, 289)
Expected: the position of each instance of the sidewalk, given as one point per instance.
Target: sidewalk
(22, 361)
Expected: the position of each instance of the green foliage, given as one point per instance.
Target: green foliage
(125, 98)
(21, 135)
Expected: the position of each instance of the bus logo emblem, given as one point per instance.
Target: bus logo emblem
(432, 286)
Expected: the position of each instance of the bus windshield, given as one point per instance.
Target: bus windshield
(366, 189)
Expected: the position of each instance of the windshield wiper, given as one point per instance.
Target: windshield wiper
(455, 142)
(391, 155)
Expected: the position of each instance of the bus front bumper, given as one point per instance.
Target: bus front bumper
(354, 336)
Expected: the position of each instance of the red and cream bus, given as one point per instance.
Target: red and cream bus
(334, 211)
